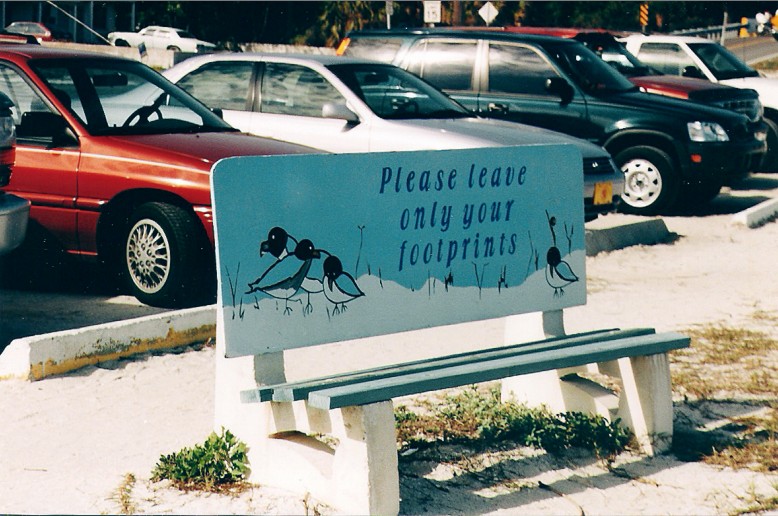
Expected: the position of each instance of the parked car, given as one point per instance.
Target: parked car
(674, 153)
(166, 38)
(30, 28)
(14, 211)
(347, 105)
(114, 179)
(701, 58)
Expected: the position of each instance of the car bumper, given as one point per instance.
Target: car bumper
(14, 214)
(725, 162)
(603, 187)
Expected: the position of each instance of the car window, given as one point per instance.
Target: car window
(393, 93)
(446, 64)
(518, 69)
(24, 98)
(722, 63)
(668, 58)
(224, 85)
(378, 49)
(289, 89)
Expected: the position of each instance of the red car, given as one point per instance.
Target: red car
(30, 28)
(113, 177)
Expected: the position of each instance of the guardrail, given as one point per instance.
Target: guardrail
(715, 32)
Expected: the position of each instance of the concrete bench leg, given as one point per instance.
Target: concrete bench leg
(353, 467)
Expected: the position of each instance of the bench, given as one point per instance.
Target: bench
(307, 373)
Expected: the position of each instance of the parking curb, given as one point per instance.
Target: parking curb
(647, 232)
(758, 215)
(39, 356)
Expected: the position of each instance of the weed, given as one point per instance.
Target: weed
(480, 418)
(219, 464)
(123, 495)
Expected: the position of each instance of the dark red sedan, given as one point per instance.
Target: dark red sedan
(116, 176)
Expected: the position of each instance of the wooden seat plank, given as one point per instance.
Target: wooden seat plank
(382, 389)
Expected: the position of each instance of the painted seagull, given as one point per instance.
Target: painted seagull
(284, 278)
(339, 286)
(277, 243)
(559, 274)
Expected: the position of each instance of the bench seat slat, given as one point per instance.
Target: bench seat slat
(372, 391)
(298, 390)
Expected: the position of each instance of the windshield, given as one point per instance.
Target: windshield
(117, 97)
(392, 93)
(722, 63)
(590, 73)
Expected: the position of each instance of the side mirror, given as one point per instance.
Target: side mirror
(45, 125)
(339, 111)
(218, 112)
(693, 71)
(560, 87)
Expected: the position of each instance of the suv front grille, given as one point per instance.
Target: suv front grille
(598, 166)
(747, 107)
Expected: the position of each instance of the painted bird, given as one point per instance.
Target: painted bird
(559, 274)
(339, 286)
(277, 243)
(284, 278)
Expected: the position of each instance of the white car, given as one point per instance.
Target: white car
(702, 58)
(340, 104)
(165, 38)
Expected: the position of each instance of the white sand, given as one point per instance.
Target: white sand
(66, 443)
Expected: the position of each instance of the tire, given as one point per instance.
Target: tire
(121, 43)
(165, 257)
(651, 181)
(770, 161)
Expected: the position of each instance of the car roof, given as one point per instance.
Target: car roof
(28, 51)
(321, 59)
(669, 38)
(476, 32)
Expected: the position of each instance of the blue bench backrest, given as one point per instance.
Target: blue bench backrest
(313, 249)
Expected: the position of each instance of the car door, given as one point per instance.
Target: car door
(448, 64)
(513, 86)
(291, 102)
(228, 86)
(44, 173)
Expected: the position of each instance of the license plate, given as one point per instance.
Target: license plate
(603, 193)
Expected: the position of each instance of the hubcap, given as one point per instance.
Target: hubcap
(148, 256)
(642, 183)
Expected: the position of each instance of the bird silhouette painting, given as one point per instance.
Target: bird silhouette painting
(285, 277)
(277, 243)
(559, 274)
(339, 286)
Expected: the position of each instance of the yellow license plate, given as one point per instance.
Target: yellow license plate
(603, 193)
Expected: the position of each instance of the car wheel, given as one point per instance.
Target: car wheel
(651, 183)
(770, 160)
(164, 256)
(121, 43)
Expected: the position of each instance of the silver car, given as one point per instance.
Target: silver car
(14, 211)
(340, 104)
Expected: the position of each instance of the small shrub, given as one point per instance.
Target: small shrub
(219, 462)
(480, 418)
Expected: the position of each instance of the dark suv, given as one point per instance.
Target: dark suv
(674, 153)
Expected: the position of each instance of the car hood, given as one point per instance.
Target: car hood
(483, 132)
(676, 110)
(767, 87)
(201, 150)
(684, 87)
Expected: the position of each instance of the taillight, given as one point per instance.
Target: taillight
(342, 47)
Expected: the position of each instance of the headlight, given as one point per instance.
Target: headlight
(706, 132)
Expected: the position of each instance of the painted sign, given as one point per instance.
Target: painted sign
(318, 248)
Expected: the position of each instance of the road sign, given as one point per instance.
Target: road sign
(431, 12)
(488, 12)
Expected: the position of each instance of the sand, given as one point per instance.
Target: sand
(68, 443)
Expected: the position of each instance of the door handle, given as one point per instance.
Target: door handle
(494, 107)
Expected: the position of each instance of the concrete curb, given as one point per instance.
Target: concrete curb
(758, 215)
(39, 356)
(648, 232)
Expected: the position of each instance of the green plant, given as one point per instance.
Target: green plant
(481, 418)
(218, 463)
